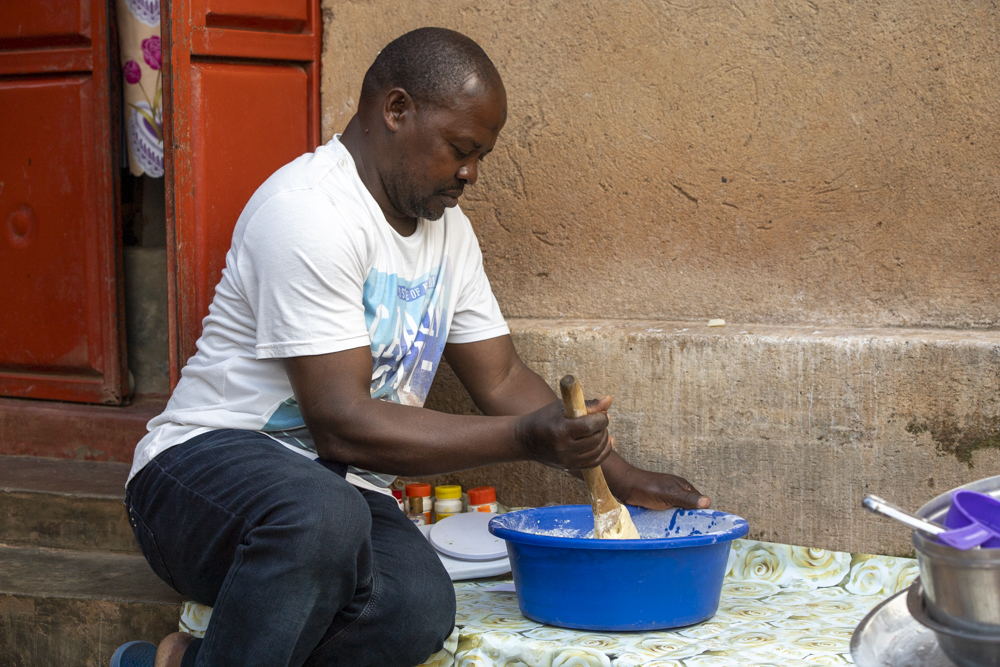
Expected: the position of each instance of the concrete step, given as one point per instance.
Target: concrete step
(64, 504)
(75, 431)
(787, 426)
(62, 607)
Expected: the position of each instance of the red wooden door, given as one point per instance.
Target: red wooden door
(61, 330)
(242, 99)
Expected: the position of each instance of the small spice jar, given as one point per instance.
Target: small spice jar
(419, 503)
(448, 501)
(398, 495)
(482, 499)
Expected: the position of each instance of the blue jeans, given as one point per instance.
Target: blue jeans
(301, 567)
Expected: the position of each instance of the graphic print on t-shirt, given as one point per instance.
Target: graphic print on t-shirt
(407, 328)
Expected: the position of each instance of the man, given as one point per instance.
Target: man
(351, 272)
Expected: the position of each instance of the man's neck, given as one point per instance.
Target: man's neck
(359, 145)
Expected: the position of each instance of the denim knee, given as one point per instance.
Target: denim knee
(424, 611)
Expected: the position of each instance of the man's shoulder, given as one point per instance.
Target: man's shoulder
(319, 185)
(327, 174)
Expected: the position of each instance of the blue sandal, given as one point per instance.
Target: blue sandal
(134, 654)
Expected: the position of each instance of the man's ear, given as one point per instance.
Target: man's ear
(397, 104)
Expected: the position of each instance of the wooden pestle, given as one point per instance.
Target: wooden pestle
(611, 519)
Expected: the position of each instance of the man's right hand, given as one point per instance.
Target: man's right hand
(549, 437)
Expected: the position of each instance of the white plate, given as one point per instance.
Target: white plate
(467, 537)
(460, 570)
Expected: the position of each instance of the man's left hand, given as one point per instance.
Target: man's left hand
(654, 490)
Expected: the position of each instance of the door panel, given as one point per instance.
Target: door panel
(242, 99)
(62, 334)
(46, 126)
(274, 15)
(246, 122)
(44, 23)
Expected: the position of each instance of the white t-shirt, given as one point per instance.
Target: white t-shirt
(315, 268)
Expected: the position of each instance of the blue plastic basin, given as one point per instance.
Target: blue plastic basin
(672, 577)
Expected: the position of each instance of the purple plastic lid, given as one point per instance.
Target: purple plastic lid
(970, 508)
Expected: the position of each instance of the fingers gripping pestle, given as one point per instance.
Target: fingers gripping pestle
(611, 519)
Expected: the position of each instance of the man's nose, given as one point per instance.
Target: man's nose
(469, 173)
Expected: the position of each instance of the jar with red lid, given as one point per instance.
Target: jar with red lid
(482, 499)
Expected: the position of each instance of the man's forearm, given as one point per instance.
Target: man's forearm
(521, 392)
(406, 440)
(347, 425)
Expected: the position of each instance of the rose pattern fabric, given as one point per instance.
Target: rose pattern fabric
(132, 71)
(765, 562)
(151, 51)
(195, 618)
(819, 566)
(142, 61)
(145, 11)
(781, 606)
(580, 657)
(868, 576)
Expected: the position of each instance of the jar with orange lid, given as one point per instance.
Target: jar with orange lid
(482, 499)
(419, 503)
(447, 502)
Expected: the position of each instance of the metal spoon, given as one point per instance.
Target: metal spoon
(885, 508)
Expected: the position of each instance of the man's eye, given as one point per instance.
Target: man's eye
(460, 153)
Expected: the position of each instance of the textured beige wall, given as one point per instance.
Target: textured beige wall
(786, 426)
(781, 162)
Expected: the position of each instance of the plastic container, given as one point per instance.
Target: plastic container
(971, 507)
(448, 501)
(482, 499)
(419, 503)
(671, 579)
(398, 495)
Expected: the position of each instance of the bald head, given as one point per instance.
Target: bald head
(433, 65)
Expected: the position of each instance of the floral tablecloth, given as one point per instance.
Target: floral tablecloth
(781, 605)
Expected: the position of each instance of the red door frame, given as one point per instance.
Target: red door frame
(248, 32)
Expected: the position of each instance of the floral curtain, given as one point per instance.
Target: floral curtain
(139, 36)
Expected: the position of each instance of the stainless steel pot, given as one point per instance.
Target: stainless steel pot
(962, 587)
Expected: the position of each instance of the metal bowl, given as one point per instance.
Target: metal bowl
(964, 648)
(890, 637)
(962, 587)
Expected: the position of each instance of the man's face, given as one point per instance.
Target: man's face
(439, 149)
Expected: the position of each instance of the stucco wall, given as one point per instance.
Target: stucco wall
(778, 162)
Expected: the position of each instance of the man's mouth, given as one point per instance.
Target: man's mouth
(451, 196)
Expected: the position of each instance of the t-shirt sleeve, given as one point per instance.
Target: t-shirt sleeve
(302, 264)
(477, 313)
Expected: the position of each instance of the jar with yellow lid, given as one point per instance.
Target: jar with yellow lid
(448, 501)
